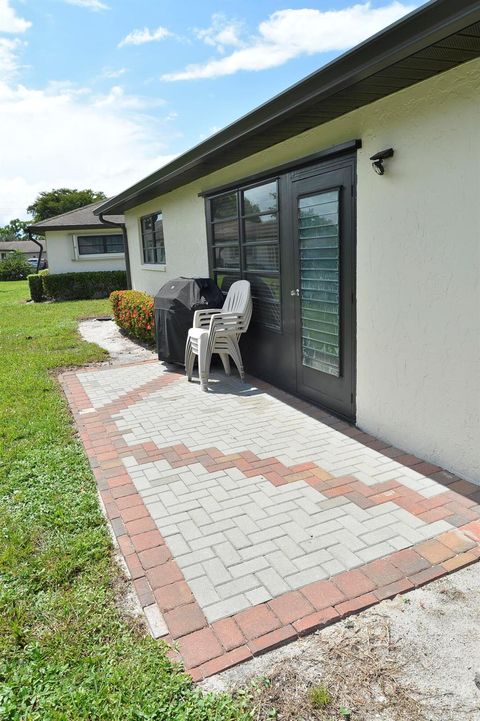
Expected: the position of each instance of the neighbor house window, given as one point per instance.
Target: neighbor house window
(99, 244)
(153, 243)
(244, 243)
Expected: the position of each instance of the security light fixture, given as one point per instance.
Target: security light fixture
(378, 158)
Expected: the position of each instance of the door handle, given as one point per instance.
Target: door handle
(295, 292)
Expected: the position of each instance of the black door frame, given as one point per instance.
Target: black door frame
(342, 399)
(273, 352)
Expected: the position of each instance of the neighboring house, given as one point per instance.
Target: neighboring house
(366, 287)
(78, 241)
(28, 248)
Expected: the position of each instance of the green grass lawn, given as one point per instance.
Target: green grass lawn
(66, 651)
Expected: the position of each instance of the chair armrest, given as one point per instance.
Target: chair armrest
(201, 318)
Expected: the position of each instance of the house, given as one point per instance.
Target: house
(28, 248)
(350, 202)
(79, 240)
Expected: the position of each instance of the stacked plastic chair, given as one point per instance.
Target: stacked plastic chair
(218, 331)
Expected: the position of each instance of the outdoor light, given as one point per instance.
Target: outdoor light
(378, 158)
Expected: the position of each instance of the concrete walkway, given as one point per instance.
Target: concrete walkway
(248, 518)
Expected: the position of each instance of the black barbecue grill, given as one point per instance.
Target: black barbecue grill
(175, 304)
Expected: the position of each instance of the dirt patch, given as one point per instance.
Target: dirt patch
(357, 672)
(415, 658)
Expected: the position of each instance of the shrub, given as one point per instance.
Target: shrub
(88, 285)
(14, 267)
(133, 311)
(36, 287)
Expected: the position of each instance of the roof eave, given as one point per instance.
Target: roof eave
(46, 228)
(421, 28)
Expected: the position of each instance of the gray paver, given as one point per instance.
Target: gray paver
(272, 581)
(204, 590)
(178, 545)
(216, 571)
(226, 608)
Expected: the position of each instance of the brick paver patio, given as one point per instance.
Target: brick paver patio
(247, 517)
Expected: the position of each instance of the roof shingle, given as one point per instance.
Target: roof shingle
(80, 218)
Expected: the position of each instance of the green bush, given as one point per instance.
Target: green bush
(88, 285)
(36, 287)
(14, 267)
(133, 311)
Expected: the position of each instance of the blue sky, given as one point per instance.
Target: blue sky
(99, 93)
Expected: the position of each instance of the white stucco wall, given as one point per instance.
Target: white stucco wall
(61, 254)
(185, 239)
(418, 261)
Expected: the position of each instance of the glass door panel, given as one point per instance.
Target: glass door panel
(319, 249)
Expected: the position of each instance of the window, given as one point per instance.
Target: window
(244, 243)
(99, 244)
(319, 243)
(153, 243)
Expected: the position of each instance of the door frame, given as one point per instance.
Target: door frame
(271, 352)
(290, 280)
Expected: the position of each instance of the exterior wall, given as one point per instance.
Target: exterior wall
(418, 260)
(62, 258)
(185, 239)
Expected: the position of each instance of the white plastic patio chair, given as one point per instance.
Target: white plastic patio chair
(218, 331)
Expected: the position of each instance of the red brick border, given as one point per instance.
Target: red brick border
(207, 649)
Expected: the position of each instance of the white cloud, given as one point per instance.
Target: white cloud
(117, 98)
(221, 33)
(110, 73)
(9, 20)
(94, 5)
(9, 62)
(80, 139)
(289, 33)
(140, 37)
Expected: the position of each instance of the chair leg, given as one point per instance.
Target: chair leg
(226, 363)
(237, 357)
(204, 358)
(189, 359)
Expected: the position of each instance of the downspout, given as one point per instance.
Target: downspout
(37, 242)
(123, 228)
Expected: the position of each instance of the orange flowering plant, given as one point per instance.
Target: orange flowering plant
(133, 311)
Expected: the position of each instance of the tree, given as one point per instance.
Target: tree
(14, 230)
(55, 202)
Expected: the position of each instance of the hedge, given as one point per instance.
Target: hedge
(88, 285)
(36, 287)
(133, 311)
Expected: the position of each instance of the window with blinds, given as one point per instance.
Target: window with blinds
(318, 230)
(100, 244)
(244, 241)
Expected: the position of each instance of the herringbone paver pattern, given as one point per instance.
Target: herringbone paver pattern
(104, 388)
(241, 540)
(245, 522)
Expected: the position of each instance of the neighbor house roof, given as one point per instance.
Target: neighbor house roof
(24, 246)
(75, 219)
(434, 38)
